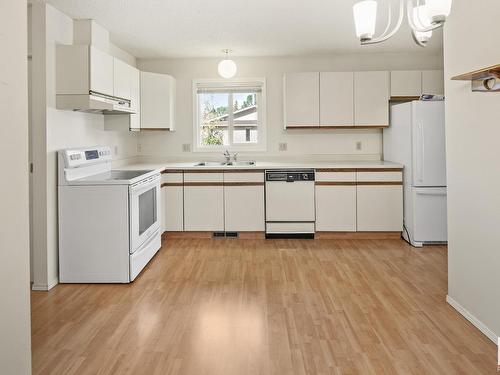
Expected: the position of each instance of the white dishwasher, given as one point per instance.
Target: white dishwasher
(290, 205)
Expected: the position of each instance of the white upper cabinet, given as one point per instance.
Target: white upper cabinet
(101, 72)
(135, 88)
(122, 79)
(157, 101)
(83, 68)
(406, 83)
(433, 82)
(371, 98)
(301, 99)
(336, 99)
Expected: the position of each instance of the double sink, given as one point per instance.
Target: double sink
(224, 163)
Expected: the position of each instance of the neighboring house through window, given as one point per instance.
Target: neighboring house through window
(229, 115)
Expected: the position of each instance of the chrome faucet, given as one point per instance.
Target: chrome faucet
(227, 155)
(235, 156)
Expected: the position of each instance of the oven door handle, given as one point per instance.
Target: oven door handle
(150, 181)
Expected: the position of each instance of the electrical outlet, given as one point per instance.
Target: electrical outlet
(139, 148)
(186, 147)
(283, 146)
(116, 150)
(359, 146)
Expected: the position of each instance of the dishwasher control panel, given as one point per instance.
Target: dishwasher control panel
(290, 175)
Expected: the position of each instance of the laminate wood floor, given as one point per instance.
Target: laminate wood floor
(255, 307)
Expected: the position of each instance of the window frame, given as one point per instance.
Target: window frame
(240, 83)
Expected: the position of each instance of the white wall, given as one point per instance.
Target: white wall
(54, 130)
(334, 143)
(473, 133)
(15, 347)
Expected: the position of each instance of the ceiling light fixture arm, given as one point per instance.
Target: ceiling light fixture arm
(411, 21)
(385, 35)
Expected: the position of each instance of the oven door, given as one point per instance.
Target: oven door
(144, 211)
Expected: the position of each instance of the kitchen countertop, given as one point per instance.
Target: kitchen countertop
(263, 165)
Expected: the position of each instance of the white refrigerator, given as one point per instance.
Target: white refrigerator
(416, 139)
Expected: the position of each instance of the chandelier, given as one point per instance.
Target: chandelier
(423, 18)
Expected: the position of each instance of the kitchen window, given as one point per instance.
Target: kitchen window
(229, 115)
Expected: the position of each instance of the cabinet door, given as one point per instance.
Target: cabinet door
(301, 100)
(406, 83)
(157, 101)
(371, 98)
(244, 202)
(203, 202)
(379, 208)
(172, 202)
(335, 208)
(134, 121)
(121, 79)
(135, 89)
(336, 99)
(101, 72)
(433, 82)
(335, 200)
(380, 200)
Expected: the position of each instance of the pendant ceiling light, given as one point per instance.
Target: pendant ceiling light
(422, 17)
(227, 68)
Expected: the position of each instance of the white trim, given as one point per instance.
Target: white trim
(471, 318)
(45, 287)
(261, 108)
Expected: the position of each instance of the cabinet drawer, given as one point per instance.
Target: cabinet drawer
(244, 177)
(203, 176)
(335, 176)
(381, 176)
(171, 178)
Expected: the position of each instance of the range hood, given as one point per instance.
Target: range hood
(94, 103)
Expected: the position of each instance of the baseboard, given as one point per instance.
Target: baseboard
(45, 287)
(206, 235)
(358, 235)
(471, 318)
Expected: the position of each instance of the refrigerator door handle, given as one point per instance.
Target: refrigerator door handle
(420, 153)
(431, 191)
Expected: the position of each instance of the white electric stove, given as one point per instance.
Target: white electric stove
(109, 225)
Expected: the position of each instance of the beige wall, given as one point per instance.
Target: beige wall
(330, 143)
(473, 153)
(15, 347)
(53, 130)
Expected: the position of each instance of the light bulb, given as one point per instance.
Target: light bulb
(422, 20)
(365, 18)
(438, 10)
(227, 68)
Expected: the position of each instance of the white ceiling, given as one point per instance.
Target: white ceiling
(201, 28)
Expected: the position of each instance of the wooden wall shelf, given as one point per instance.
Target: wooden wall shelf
(481, 74)
(340, 127)
(403, 99)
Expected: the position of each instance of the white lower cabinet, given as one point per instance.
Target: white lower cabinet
(380, 208)
(203, 201)
(172, 201)
(244, 202)
(335, 201)
(380, 201)
(335, 208)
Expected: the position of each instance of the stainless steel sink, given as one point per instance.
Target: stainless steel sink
(221, 164)
(241, 163)
(209, 164)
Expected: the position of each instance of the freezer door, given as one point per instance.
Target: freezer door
(429, 215)
(429, 147)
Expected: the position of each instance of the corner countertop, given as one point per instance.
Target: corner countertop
(263, 165)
